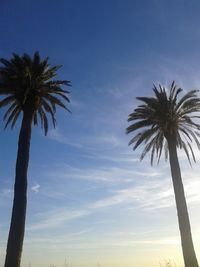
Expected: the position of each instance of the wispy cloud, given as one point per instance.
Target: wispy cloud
(35, 188)
(56, 218)
(56, 135)
(81, 240)
(123, 172)
(173, 240)
(6, 192)
(136, 195)
(149, 196)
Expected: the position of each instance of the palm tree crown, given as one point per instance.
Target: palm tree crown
(164, 116)
(28, 86)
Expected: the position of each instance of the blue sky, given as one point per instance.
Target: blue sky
(90, 199)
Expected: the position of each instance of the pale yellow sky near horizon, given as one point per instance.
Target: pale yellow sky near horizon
(149, 253)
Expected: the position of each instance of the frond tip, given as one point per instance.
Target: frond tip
(163, 116)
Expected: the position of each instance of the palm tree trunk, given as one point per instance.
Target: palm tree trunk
(182, 212)
(17, 226)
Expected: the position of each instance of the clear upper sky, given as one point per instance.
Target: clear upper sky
(90, 199)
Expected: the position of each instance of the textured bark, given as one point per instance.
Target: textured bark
(17, 226)
(189, 255)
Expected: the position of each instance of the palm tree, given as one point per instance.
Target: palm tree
(165, 123)
(30, 90)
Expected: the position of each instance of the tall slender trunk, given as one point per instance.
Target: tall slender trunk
(17, 226)
(182, 212)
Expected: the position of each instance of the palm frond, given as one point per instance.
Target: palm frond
(9, 110)
(28, 85)
(6, 101)
(138, 125)
(165, 117)
(12, 116)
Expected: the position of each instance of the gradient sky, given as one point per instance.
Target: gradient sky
(90, 199)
